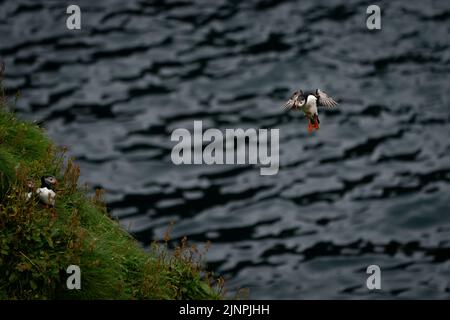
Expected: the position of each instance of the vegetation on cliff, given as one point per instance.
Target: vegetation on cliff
(38, 243)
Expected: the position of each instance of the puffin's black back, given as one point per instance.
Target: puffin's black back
(306, 93)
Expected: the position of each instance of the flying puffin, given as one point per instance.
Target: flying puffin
(308, 103)
(46, 192)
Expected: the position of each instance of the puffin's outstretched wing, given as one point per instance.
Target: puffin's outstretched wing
(324, 100)
(294, 101)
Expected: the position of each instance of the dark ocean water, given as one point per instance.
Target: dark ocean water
(371, 187)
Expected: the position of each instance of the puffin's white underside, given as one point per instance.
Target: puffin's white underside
(46, 195)
(310, 106)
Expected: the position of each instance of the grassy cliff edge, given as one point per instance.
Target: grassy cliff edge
(38, 243)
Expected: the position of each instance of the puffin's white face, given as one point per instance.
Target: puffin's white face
(51, 180)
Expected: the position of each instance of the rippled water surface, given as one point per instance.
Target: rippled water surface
(371, 187)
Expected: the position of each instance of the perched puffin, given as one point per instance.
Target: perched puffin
(308, 103)
(46, 192)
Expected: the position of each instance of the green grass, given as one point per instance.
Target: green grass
(38, 243)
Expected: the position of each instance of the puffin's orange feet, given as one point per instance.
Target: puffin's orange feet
(316, 126)
(310, 127)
